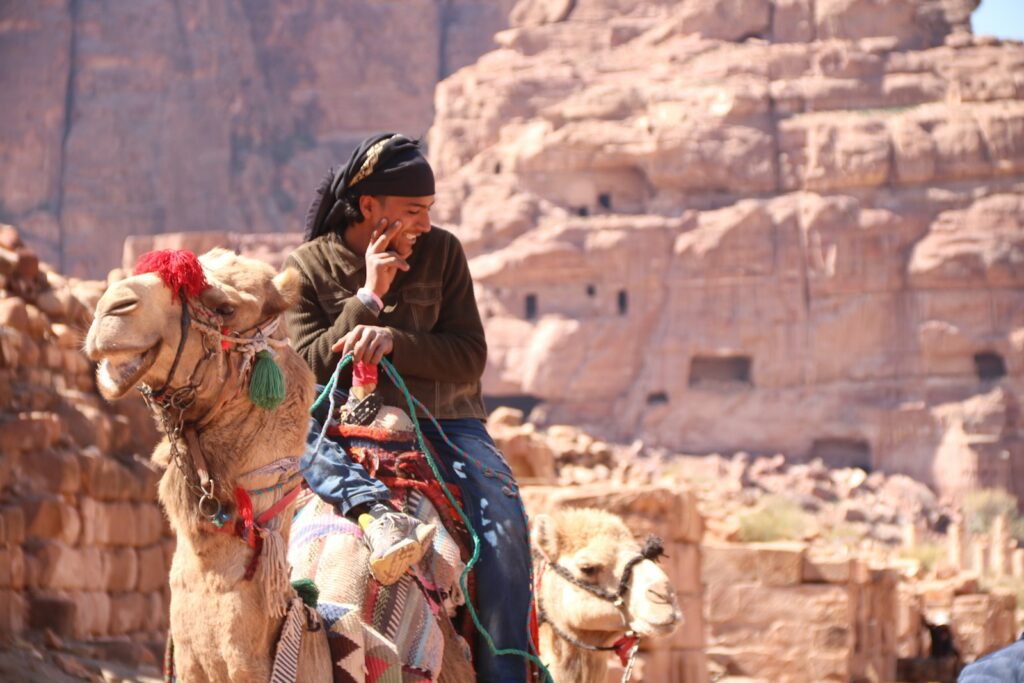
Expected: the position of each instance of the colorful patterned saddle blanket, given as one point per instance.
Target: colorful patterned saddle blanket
(382, 634)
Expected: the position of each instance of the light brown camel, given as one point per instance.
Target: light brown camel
(580, 559)
(225, 627)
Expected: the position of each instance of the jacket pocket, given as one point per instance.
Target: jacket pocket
(424, 305)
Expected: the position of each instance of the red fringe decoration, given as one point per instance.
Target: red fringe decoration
(178, 268)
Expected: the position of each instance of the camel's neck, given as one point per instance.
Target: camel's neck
(570, 663)
(239, 439)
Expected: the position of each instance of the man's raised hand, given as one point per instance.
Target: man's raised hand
(383, 264)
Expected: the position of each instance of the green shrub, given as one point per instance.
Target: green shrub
(928, 555)
(981, 507)
(775, 519)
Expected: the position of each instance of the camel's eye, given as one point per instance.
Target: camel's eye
(123, 307)
(225, 310)
(589, 570)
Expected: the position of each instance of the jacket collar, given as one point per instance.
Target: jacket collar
(349, 261)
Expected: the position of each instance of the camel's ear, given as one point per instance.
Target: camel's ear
(283, 293)
(544, 535)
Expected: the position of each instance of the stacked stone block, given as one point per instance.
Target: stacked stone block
(84, 548)
(775, 612)
(981, 621)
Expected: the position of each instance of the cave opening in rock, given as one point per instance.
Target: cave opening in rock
(591, 290)
(657, 398)
(531, 307)
(604, 199)
(842, 452)
(623, 302)
(497, 167)
(989, 366)
(710, 370)
(582, 211)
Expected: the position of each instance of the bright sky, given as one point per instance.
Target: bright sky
(1000, 18)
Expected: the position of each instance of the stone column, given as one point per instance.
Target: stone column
(955, 541)
(909, 535)
(1000, 541)
(978, 555)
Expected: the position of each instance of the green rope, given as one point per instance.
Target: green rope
(392, 373)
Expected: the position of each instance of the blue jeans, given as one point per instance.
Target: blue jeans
(492, 503)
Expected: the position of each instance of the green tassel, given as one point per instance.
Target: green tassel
(266, 387)
(307, 590)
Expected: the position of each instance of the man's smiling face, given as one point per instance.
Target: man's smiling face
(414, 212)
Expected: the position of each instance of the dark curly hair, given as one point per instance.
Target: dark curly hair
(327, 214)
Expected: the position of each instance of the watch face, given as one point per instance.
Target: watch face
(363, 412)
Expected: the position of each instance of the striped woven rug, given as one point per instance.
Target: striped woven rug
(377, 634)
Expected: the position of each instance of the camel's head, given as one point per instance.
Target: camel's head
(596, 548)
(137, 326)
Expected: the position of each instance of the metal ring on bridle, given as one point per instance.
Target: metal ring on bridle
(209, 506)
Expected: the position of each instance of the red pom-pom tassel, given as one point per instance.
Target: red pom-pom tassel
(178, 268)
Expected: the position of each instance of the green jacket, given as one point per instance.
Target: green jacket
(440, 350)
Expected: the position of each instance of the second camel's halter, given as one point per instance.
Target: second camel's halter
(625, 647)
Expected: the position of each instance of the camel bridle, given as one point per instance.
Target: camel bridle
(625, 647)
(171, 403)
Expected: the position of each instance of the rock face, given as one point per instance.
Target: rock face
(158, 115)
(779, 226)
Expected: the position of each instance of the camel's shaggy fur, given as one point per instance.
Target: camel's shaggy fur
(595, 546)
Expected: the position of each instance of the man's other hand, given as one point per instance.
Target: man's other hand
(367, 343)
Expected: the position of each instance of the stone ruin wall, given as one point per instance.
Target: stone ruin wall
(782, 612)
(84, 547)
(786, 226)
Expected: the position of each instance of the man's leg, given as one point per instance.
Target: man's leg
(396, 540)
(332, 474)
(491, 500)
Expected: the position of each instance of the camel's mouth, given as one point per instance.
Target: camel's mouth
(662, 626)
(116, 375)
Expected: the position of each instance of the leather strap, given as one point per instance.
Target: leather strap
(276, 509)
(196, 455)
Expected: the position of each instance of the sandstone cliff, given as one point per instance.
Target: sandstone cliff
(775, 225)
(176, 115)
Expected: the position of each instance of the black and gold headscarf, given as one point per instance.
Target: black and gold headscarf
(383, 164)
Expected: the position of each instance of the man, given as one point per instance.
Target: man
(379, 281)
